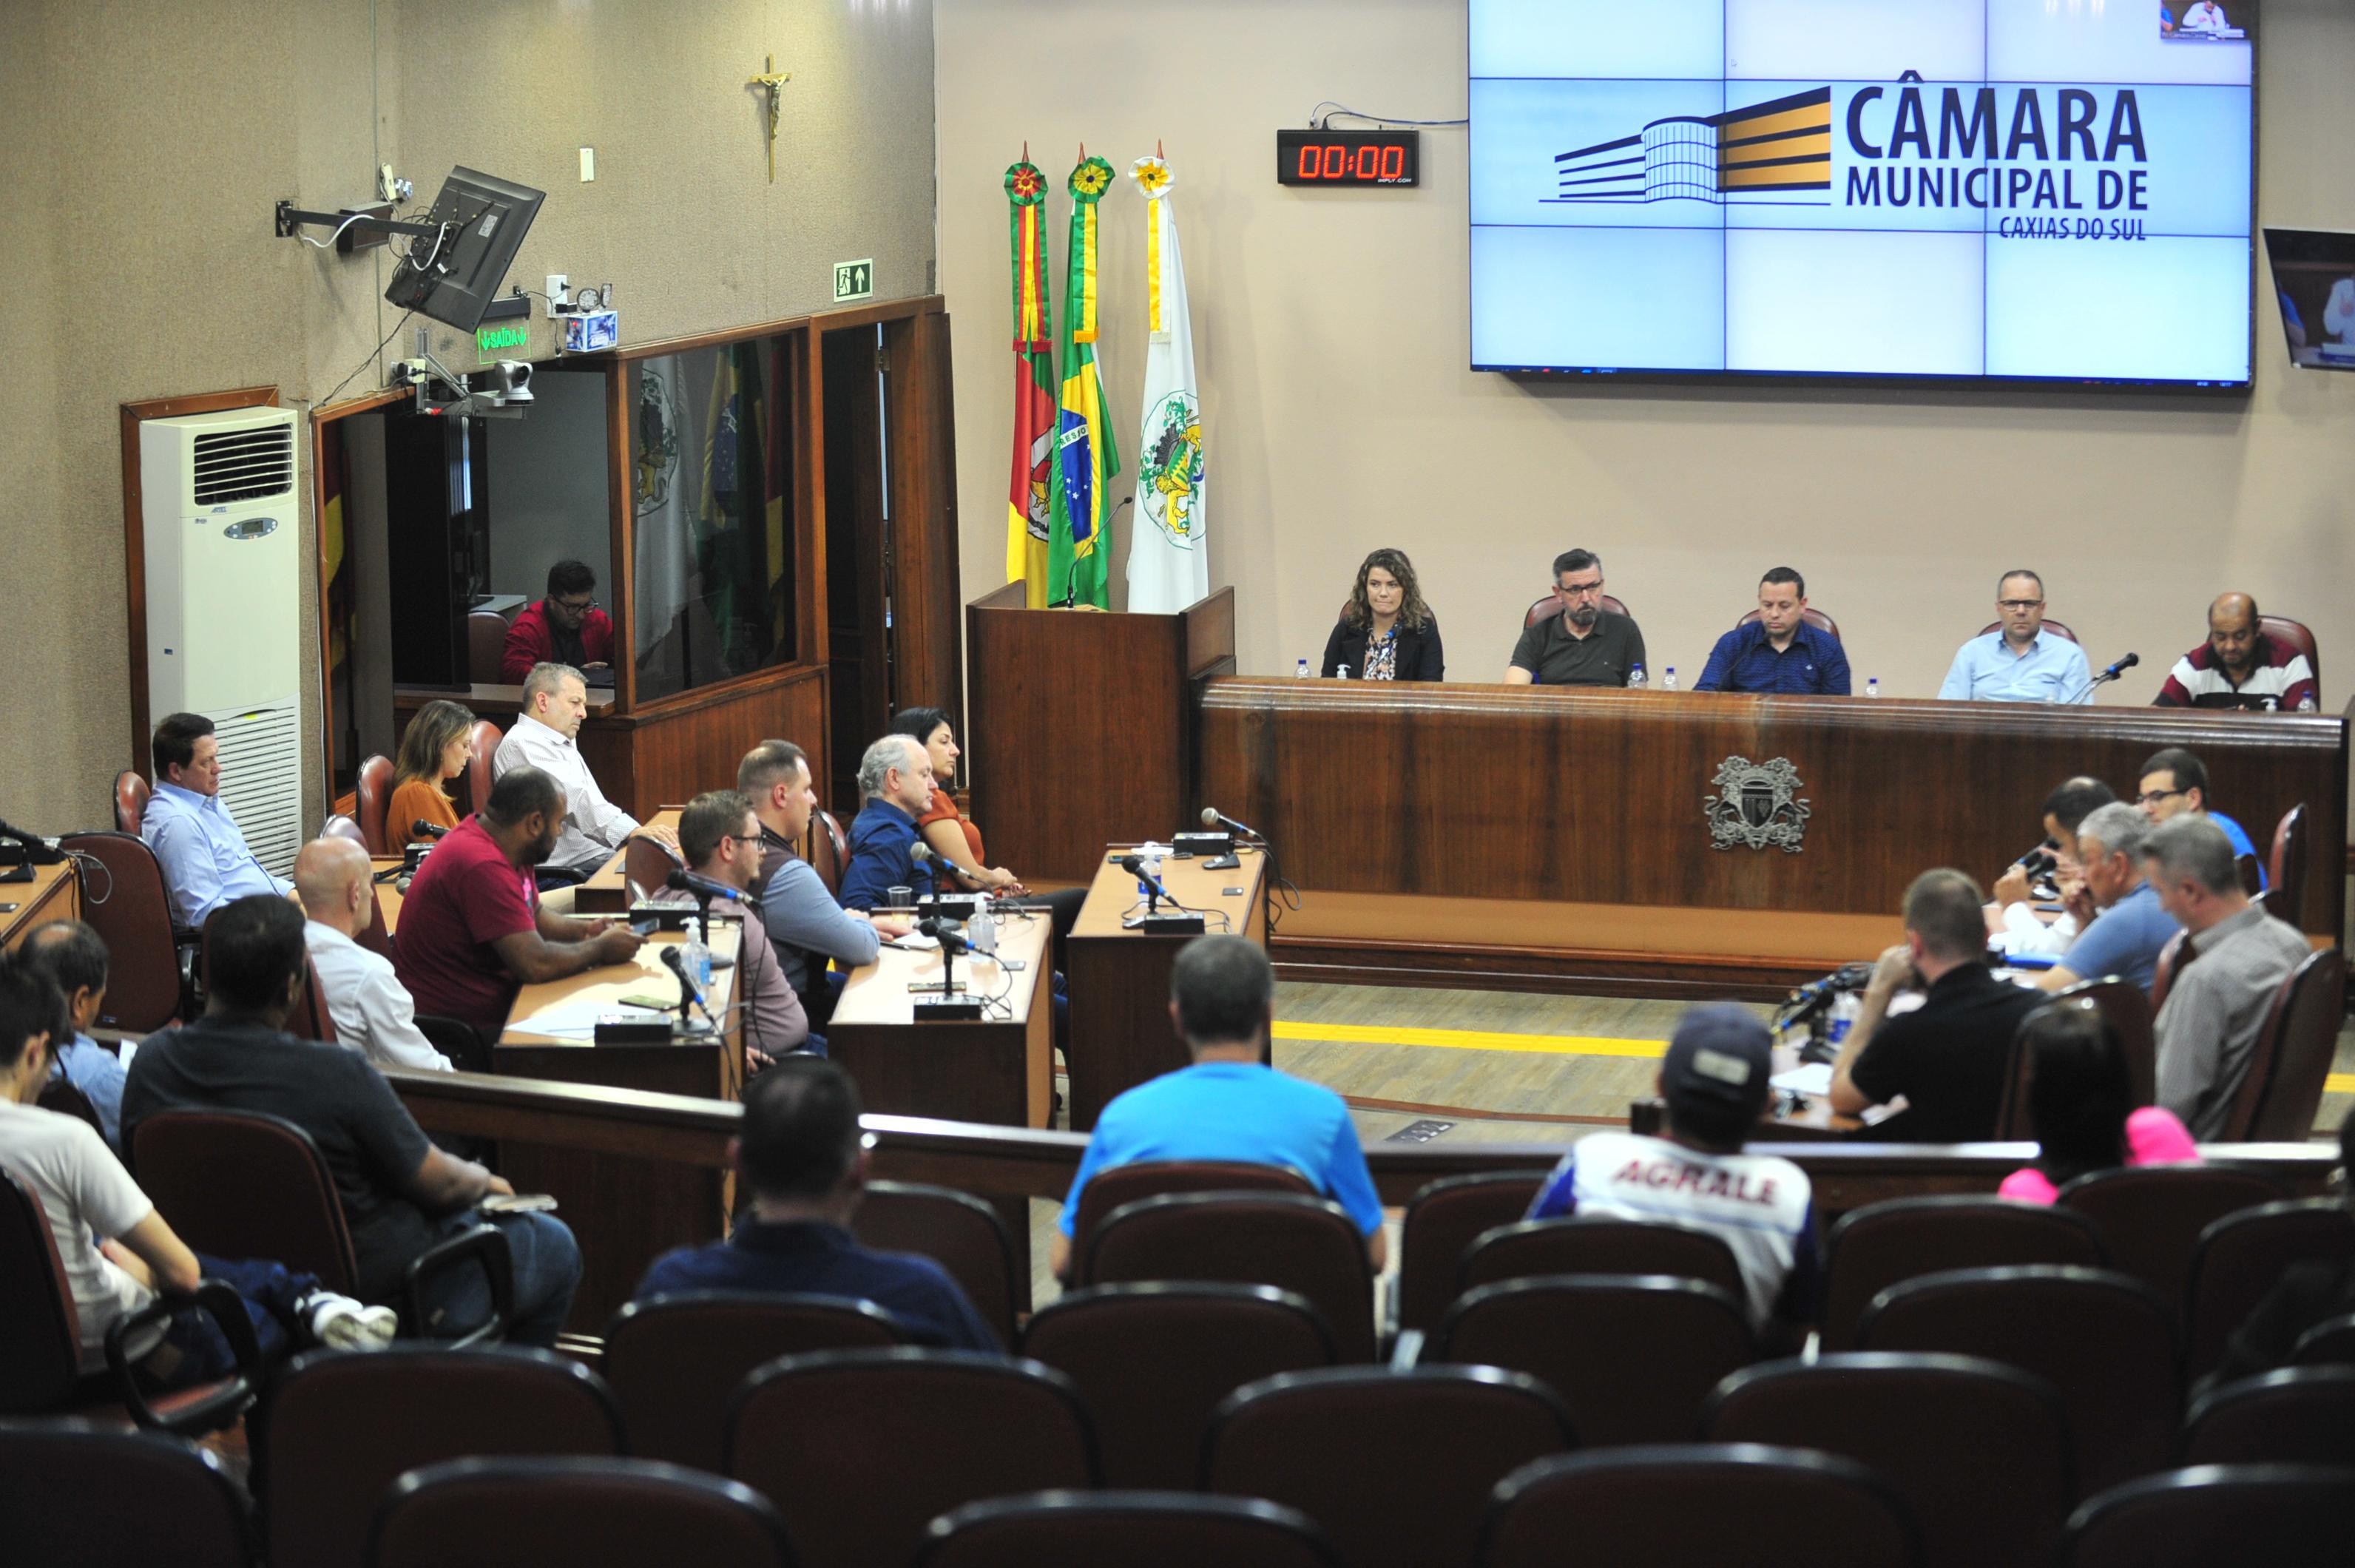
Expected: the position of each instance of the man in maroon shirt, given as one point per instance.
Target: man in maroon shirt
(566, 627)
(471, 931)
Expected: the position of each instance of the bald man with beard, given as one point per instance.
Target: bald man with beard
(2239, 666)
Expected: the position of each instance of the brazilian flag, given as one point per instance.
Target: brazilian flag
(1086, 456)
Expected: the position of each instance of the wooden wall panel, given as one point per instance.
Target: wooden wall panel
(1595, 797)
(693, 742)
(930, 664)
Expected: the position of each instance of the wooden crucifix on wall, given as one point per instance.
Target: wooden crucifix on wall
(773, 81)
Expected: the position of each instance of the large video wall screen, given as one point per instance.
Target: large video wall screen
(2035, 189)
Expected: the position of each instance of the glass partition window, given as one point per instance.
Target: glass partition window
(711, 477)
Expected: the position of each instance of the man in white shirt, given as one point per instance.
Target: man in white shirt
(555, 701)
(373, 1012)
(2204, 16)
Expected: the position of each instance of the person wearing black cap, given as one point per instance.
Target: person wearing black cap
(1714, 1081)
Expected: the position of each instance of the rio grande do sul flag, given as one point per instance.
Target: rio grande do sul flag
(1034, 382)
(1169, 552)
(1086, 455)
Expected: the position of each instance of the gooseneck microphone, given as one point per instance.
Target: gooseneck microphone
(688, 995)
(949, 933)
(2118, 669)
(925, 860)
(421, 828)
(1213, 817)
(688, 881)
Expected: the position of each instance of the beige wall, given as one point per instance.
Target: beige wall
(144, 146)
(1339, 415)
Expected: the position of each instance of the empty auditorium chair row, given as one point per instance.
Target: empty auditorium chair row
(886, 1457)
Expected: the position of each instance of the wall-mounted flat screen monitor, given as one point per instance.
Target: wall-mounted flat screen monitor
(453, 276)
(2031, 191)
(2313, 284)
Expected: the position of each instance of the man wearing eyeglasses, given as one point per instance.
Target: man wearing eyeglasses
(2019, 661)
(719, 839)
(1586, 645)
(2175, 784)
(564, 628)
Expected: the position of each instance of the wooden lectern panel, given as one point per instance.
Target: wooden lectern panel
(1080, 726)
(1596, 796)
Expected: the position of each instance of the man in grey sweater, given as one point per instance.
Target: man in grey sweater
(807, 928)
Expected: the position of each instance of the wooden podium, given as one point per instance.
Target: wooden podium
(1080, 725)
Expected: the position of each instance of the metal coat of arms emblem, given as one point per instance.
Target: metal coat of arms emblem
(1757, 804)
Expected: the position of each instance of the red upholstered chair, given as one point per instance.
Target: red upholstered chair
(2292, 845)
(2216, 1513)
(956, 1230)
(1441, 1222)
(131, 794)
(481, 742)
(829, 851)
(310, 1019)
(1811, 616)
(371, 796)
(2295, 633)
(1308, 1246)
(486, 639)
(1898, 1239)
(2239, 1259)
(2163, 973)
(2057, 628)
(2291, 1416)
(1125, 1184)
(150, 966)
(1599, 1244)
(2151, 1216)
(647, 865)
(1132, 1529)
(341, 826)
(573, 1510)
(85, 1494)
(1554, 605)
(2127, 1011)
(2282, 1089)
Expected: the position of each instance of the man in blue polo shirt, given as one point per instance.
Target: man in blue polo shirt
(1780, 651)
(895, 780)
(2020, 661)
(2125, 938)
(803, 1155)
(1230, 1106)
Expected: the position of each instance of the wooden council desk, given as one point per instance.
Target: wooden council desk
(998, 1068)
(607, 892)
(54, 893)
(1119, 979)
(1545, 837)
(625, 1211)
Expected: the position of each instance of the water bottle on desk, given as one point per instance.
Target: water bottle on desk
(698, 957)
(1845, 1011)
(1302, 673)
(1670, 683)
(1636, 680)
(1872, 686)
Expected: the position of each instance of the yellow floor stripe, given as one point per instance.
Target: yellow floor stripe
(1470, 1040)
(1547, 1044)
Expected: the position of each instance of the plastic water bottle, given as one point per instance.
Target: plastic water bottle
(1302, 673)
(2306, 705)
(1845, 1011)
(1872, 686)
(1636, 676)
(698, 965)
(1669, 684)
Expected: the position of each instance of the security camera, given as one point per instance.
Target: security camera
(509, 380)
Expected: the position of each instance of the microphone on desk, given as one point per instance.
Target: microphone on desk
(2118, 669)
(1213, 817)
(688, 881)
(687, 992)
(925, 860)
(949, 933)
(421, 828)
(1147, 873)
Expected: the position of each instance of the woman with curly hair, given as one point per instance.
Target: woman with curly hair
(1386, 632)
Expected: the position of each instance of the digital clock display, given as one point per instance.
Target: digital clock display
(1348, 157)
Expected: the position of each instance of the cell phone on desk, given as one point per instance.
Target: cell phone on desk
(651, 1003)
(517, 1203)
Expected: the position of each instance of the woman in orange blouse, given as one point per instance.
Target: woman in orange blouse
(433, 751)
(956, 839)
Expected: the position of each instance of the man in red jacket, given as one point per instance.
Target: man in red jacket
(566, 627)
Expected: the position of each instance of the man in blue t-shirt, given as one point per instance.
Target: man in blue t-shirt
(1230, 1106)
(2124, 938)
(802, 1154)
(2175, 784)
(895, 781)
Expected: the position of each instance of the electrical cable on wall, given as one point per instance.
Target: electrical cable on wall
(1318, 121)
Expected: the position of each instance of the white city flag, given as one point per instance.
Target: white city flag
(1169, 549)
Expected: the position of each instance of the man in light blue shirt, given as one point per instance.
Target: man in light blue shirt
(205, 860)
(2125, 938)
(74, 955)
(1230, 1106)
(2019, 662)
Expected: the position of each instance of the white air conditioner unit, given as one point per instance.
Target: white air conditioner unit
(224, 596)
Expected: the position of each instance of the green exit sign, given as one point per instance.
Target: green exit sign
(854, 280)
(494, 342)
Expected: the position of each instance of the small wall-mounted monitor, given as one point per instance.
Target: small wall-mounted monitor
(2314, 282)
(454, 276)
